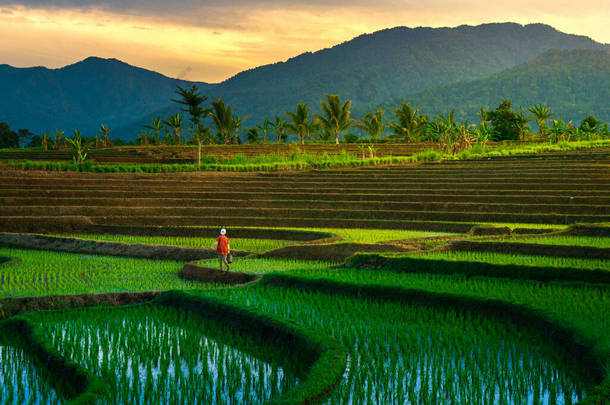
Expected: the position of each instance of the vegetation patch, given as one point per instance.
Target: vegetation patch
(94, 247)
(531, 249)
(336, 252)
(475, 269)
(193, 272)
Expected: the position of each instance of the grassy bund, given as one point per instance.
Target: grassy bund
(363, 286)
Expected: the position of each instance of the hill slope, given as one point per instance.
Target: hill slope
(575, 83)
(369, 69)
(81, 95)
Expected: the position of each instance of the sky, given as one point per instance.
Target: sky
(211, 40)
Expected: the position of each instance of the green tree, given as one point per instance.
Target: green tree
(155, 129)
(408, 125)
(279, 126)
(222, 116)
(372, 125)
(300, 124)
(264, 128)
(542, 113)
(589, 124)
(335, 117)
(193, 101)
(58, 136)
(174, 122)
(23, 134)
(506, 123)
(142, 139)
(79, 147)
(238, 123)
(105, 131)
(8, 138)
(201, 135)
(523, 124)
(252, 135)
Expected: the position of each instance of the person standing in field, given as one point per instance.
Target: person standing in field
(222, 248)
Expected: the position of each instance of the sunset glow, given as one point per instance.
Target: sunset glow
(214, 41)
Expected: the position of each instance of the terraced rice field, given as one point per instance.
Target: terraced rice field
(487, 328)
(445, 197)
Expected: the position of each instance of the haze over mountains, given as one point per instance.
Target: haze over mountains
(434, 69)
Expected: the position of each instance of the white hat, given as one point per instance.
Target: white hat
(223, 231)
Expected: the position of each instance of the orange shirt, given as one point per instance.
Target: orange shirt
(223, 245)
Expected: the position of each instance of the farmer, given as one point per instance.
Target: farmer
(222, 248)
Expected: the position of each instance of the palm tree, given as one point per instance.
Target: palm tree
(335, 116)
(200, 135)
(279, 126)
(175, 123)
(237, 125)
(408, 125)
(222, 115)
(105, 131)
(155, 128)
(45, 141)
(142, 139)
(542, 113)
(264, 128)
(299, 123)
(522, 124)
(192, 100)
(372, 125)
(252, 135)
(57, 137)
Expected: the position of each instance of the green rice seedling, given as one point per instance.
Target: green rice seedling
(376, 235)
(21, 380)
(56, 273)
(583, 308)
(522, 260)
(589, 241)
(411, 353)
(251, 245)
(267, 265)
(152, 354)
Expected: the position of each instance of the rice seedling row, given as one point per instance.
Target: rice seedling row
(589, 241)
(151, 354)
(54, 273)
(402, 353)
(251, 245)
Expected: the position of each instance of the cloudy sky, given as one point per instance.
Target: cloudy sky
(210, 40)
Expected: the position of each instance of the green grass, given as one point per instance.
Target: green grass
(251, 245)
(264, 265)
(589, 241)
(408, 353)
(151, 354)
(522, 260)
(372, 235)
(55, 273)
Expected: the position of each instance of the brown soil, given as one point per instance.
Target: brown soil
(74, 245)
(193, 272)
(336, 252)
(13, 306)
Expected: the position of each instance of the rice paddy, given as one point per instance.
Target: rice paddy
(161, 355)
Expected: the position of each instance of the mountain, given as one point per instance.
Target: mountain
(575, 83)
(82, 95)
(369, 69)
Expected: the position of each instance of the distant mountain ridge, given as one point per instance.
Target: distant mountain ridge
(575, 83)
(370, 69)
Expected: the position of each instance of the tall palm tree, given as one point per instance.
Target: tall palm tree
(222, 115)
(155, 128)
(299, 123)
(238, 123)
(522, 124)
(335, 116)
(105, 131)
(372, 125)
(264, 129)
(542, 113)
(408, 125)
(279, 126)
(175, 123)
